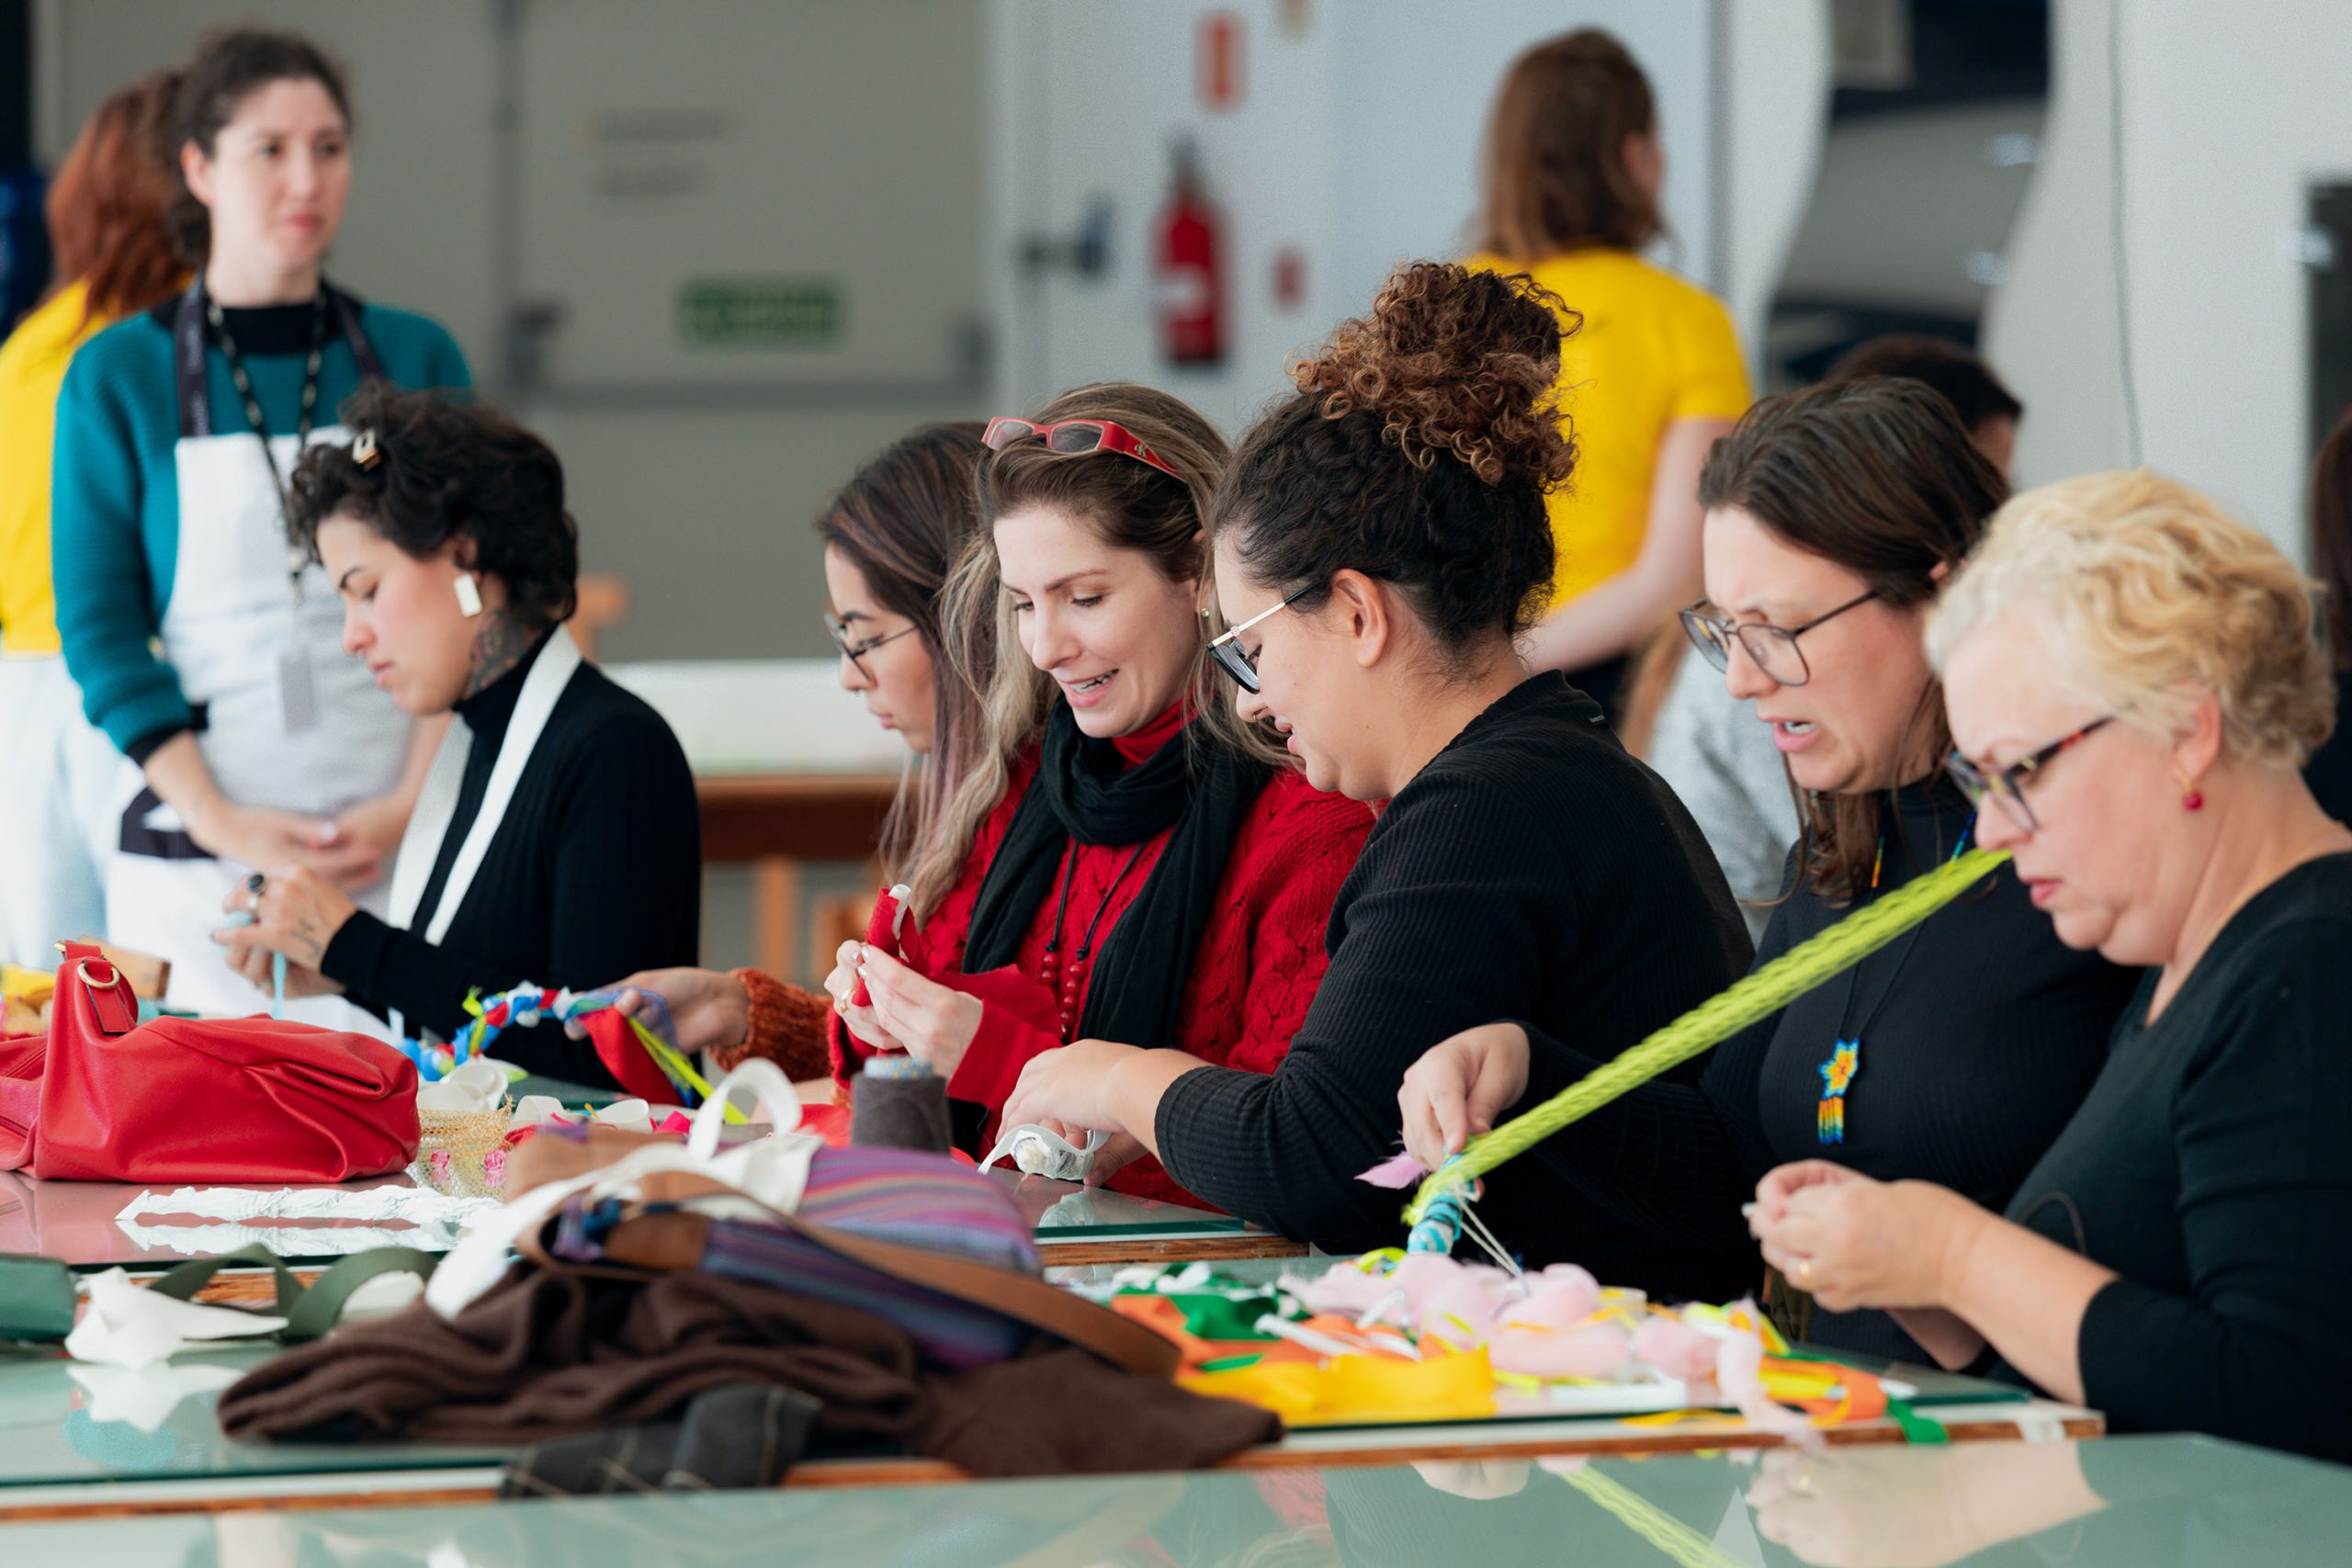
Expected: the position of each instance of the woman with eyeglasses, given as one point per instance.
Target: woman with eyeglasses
(1834, 516)
(2135, 683)
(1381, 537)
(891, 536)
(1133, 859)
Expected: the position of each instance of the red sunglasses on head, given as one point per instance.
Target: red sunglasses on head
(1074, 438)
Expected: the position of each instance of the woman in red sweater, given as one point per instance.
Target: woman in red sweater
(1143, 866)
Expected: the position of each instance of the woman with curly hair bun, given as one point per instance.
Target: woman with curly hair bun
(1378, 538)
(556, 838)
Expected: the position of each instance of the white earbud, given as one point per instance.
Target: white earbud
(469, 595)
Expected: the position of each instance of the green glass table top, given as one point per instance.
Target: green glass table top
(2136, 1501)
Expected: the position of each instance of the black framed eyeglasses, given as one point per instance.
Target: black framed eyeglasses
(1225, 649)
(1773, 650)
(2005, 786)
(855, 649)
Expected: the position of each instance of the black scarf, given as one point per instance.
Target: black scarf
(1197, 784)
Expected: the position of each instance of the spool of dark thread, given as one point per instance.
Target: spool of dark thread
(899, 1103)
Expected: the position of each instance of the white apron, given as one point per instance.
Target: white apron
(232, 625)
(428, 825)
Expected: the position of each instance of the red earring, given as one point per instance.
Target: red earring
(2191, 797)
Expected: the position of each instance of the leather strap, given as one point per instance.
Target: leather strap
(673, 1239)
(309, 1313)
(114, 1006)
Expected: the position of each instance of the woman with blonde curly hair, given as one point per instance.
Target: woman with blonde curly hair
(1379, 536)
(2133, 684)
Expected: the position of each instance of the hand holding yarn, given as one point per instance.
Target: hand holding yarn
(1458, 1088)
(296, 912)
(694, 1010)
(935, 1022)
(1856, 1241)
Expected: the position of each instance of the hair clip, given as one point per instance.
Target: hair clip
(362, 450)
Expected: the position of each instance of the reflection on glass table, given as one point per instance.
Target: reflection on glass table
(2124, 1501)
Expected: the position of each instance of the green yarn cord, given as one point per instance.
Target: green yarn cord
(1755, 996)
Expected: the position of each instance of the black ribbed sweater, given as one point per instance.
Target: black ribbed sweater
(1980, 1033)
(594, 873)
(1532, 870)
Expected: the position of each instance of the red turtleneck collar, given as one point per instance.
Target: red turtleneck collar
(1138, 745)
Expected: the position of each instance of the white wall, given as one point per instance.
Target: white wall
(702, 505)
(1777, 80)
(2226, 112)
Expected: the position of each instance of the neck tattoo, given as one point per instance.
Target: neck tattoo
(499, 645)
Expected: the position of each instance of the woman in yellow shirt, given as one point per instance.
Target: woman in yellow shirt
(113, 255)
(1650, 374)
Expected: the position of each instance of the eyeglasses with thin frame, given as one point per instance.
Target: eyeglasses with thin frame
(1225, 649)
(2005, 786)
(1075, 438)
(855, 649)
(1773, 650)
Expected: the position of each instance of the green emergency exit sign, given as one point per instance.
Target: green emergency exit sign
(761, 313)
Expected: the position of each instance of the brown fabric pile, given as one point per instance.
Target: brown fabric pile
(546, 1353)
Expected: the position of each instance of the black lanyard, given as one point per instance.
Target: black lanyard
(194, 312)
(253, 404)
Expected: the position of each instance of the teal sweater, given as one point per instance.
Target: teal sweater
(116, 512)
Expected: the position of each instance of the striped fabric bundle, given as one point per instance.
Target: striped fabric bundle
(915, 1199)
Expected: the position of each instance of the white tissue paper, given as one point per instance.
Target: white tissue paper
(129, 1325)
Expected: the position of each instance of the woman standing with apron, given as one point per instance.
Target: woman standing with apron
(208, 656)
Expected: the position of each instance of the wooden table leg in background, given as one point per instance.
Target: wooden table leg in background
(776, 915)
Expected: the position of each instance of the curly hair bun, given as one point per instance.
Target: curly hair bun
(1458, 362)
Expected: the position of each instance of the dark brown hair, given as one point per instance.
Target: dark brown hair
(446, 471)
(903, 520)
(1965, 381)
(1880, 476)
(1556, 172)
(2332, 538)
(229, 67)
(1417, 450)
(105, 208)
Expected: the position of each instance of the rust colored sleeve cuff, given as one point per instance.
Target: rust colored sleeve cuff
(788, 1027)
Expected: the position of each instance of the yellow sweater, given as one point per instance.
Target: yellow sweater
(32, 367)
(1653, 350)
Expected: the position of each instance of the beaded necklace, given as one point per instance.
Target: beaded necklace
(1066, 993)
(1845, 1060)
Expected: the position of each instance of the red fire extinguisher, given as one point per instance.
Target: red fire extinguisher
(1190, 270)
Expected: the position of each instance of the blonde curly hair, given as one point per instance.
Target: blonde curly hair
(2146, 589)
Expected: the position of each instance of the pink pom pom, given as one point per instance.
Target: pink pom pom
(1600, 1351)
(1397, 1172)
(1677, 1350)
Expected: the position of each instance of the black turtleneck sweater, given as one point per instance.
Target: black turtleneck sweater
(1979, 1035)
(1532, 870)
(594, 873)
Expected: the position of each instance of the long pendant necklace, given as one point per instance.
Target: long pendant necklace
(1845, 1060)
(1064, 982)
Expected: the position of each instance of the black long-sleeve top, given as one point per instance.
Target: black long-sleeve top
(1980, 1031)
(1532, 870)
(594, 873)
(2211, 1167)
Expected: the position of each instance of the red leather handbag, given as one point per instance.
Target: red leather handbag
(105, 1098)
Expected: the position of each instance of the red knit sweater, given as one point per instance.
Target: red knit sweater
(1260, 959)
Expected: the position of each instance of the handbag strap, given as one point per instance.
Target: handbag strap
(309, 1311)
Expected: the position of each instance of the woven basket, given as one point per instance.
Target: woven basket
(462, 1153)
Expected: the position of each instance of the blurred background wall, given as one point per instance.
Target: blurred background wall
(721, 250)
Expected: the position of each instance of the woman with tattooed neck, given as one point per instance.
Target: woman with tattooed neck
(556, 839)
